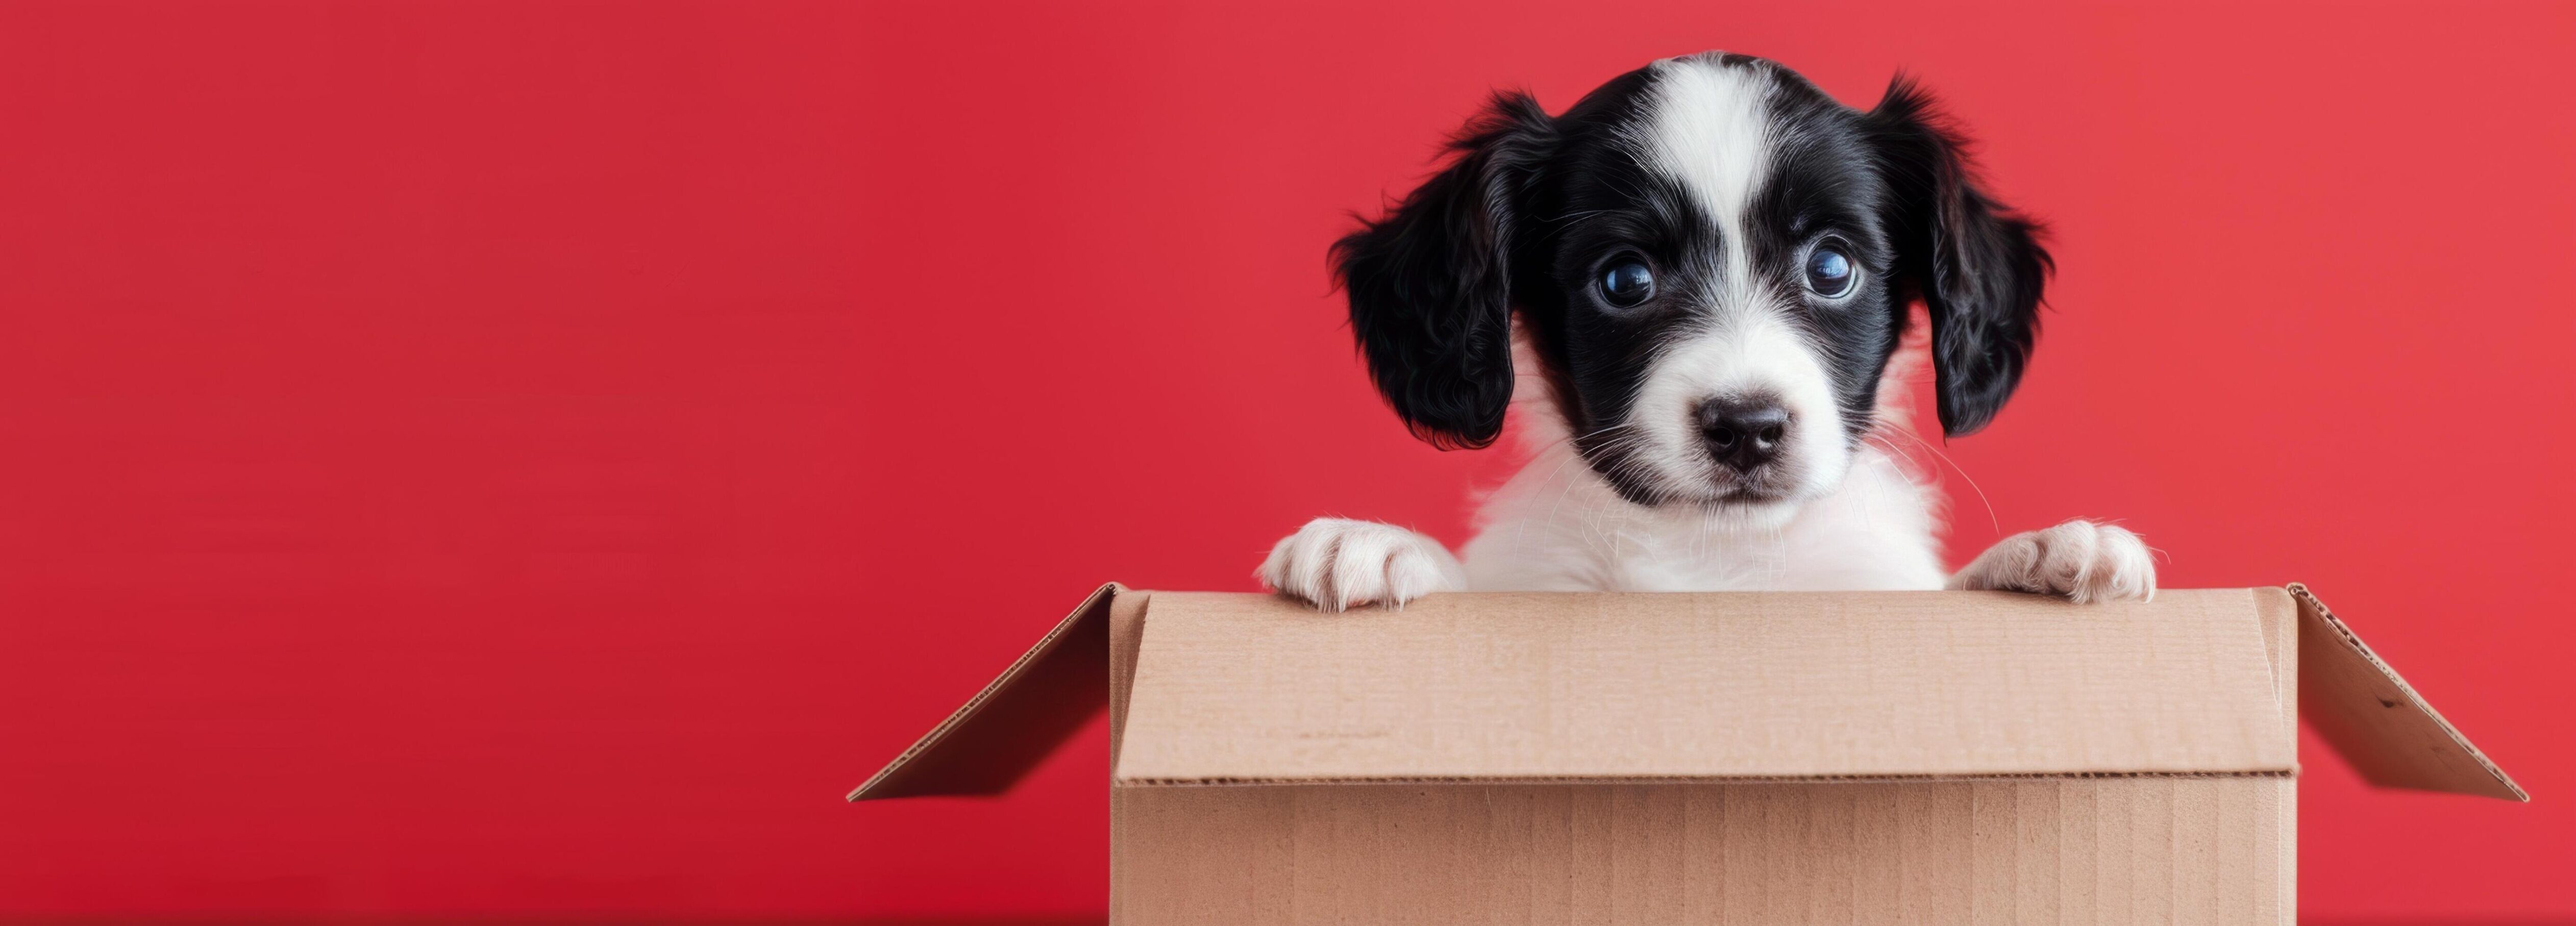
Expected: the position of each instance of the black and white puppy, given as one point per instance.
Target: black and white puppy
(1695, 280)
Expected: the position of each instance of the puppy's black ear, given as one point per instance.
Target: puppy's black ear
(1978, 266)
(1430, 284)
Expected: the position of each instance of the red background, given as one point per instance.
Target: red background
(465, 457)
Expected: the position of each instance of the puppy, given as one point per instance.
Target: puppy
(1695, 280)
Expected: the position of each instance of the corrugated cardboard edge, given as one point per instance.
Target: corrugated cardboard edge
(2279, 616)
(1969, 778)
(1019, 719)
(1126, 637)
(2379, 723)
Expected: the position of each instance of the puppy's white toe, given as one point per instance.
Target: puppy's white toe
(2079, 560)
(1338, 563)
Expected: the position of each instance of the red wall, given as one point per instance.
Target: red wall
(469, 457)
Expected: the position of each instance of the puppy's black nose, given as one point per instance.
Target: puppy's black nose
(1743, 433)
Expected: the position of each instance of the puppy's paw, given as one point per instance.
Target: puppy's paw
(1336, 563)
(2080, 561)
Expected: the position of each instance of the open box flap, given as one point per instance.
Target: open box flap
(2376, 721)
(1540, 687)
(1006, 729)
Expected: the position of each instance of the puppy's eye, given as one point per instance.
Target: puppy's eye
(1626, 284)
(1830, 272)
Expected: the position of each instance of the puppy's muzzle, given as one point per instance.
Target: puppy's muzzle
(1742, 434)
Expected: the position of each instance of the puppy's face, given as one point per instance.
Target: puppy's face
(1714, 285)
(1714, 261)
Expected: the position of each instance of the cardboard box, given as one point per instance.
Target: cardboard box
(1775, 758)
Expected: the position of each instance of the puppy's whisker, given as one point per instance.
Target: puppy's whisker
(1963, 475)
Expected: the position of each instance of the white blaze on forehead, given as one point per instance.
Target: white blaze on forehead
(1706, 129)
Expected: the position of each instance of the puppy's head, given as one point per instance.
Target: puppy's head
(1713, 261)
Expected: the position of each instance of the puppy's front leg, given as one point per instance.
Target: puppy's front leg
(2079, 560)
(1335, 563)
